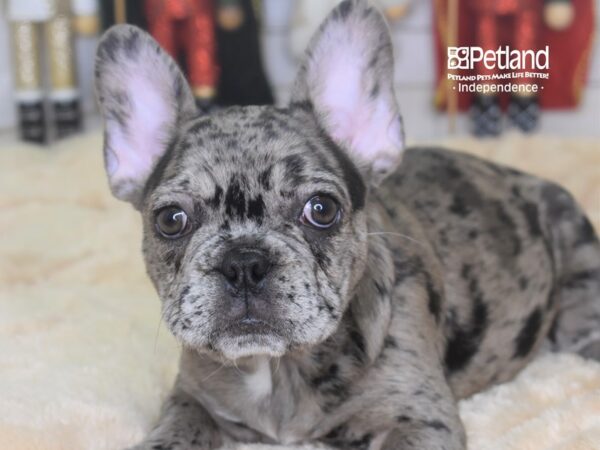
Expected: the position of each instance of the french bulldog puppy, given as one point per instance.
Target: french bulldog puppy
(328, 286)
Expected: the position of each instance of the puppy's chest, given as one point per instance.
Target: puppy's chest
(266, 403)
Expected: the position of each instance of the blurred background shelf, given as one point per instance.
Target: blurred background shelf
(415, 75)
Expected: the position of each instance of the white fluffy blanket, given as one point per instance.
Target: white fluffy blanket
(84, 363)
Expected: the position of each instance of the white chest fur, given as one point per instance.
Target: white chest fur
(259, 383)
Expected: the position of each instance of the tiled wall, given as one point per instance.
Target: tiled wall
(414, 74)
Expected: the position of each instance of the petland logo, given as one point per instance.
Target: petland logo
(465, 58)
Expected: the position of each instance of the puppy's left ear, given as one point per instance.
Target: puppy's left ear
(347, 77)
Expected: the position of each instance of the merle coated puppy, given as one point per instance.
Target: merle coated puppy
(324, 291)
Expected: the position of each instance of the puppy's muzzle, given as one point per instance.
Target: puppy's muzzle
(244, 268)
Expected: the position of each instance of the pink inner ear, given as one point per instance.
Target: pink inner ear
(138, 146)
(370, 127)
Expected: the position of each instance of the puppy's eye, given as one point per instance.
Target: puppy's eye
(172, 222)
(320, 212)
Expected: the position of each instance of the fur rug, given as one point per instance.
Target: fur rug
(84, 363)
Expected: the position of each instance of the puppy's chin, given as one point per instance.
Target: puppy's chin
(234, 347)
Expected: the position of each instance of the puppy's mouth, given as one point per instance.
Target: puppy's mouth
(248, 326)
(249, 337)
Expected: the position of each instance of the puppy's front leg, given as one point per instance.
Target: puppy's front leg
(417, 413)
(428, 426)
(184, 424)
(406, 401)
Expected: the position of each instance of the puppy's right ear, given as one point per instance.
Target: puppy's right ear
(143, 98)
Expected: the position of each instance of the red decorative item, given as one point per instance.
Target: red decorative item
(519, 24)
(188, 27)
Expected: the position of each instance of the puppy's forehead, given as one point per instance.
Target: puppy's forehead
(244, 138)
(258, 149)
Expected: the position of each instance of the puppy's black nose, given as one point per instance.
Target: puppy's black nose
(244, 267)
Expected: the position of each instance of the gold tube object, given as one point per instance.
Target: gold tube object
(27, 57)
(60, 53)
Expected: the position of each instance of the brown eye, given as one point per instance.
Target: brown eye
(321, 212)
(171, 222)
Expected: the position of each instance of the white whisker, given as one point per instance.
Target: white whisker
(213, 373)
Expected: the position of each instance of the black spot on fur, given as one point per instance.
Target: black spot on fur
(354, 181)
(458, 206)
(157, 174)
(523, 283)
(319, 252)
(172, 258)
(530, 211)
(330, 309)
(581, 279)
(332, 386)
(235, 200)
(560, 204)
(131, 43)
(505, 230)
(178, 86)
(329, 376)
(585, 233)
(345, 9)
(265, 178)
(465, 339)
(437, 425)
(502, 215)
(381, 289)
(294, 169)
(184, 292)
(528, 334)
(304, 105)
(466, 197)
(162, 447)
(355, 345)
(109, 46)
(338, 438)
(215, 200)
(232, 144)
(200, 125)
(406, 267)
(390, 342)
(269, 132)
(256, 209)
(375, 91)
(358, 341)
(118, 110)
(452, 172)
(435, 299)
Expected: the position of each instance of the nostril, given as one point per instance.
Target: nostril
(259, 270)
(230, 272)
